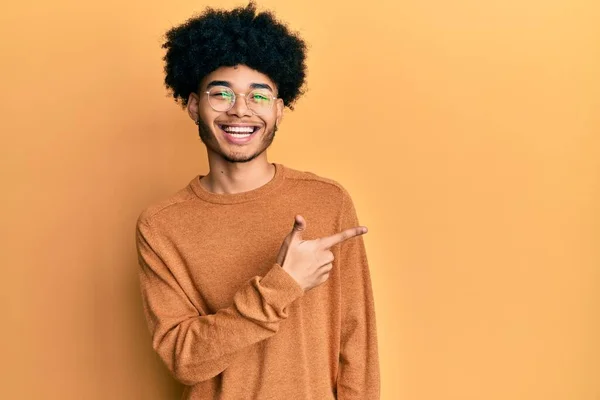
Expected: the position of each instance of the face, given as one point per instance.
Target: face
(237, 135)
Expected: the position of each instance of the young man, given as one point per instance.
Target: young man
(235, 313)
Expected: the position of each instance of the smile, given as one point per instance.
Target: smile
(239, 129)
(239, 134)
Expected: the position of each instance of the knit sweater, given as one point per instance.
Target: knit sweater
(229, 322)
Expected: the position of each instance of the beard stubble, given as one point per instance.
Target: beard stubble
(210, 141)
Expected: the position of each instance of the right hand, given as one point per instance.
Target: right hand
(310, 261)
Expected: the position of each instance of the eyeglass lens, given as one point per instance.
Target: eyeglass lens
(223, 98)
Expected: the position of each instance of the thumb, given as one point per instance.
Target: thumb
(299, 227)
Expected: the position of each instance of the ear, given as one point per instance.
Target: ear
(193, 106)
(280, 107)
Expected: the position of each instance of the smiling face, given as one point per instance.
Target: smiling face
(236, 135)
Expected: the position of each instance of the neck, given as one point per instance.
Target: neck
(230, 178)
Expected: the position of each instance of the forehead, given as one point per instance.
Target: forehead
(240, 77)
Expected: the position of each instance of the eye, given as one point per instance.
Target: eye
(259, 97)
(221, 94)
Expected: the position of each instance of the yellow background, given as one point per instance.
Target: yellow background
(466, 131)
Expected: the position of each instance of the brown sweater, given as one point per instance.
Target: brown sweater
(229, 322)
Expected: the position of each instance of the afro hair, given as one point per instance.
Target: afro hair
(218, 38)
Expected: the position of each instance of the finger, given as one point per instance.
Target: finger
(299, 227)
(330, 241)
(323, 277)
(325, 269)
(326, 257)
(282, 252)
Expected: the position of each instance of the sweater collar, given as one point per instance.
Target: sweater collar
(226, 198)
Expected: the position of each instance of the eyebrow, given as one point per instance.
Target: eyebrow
(227, 84)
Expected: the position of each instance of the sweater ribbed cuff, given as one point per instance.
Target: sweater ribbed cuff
(283, 289)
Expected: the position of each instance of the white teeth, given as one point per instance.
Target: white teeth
(240, 135)
(239, 129)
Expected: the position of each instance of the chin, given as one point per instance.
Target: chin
(247, 152)
(240, 159)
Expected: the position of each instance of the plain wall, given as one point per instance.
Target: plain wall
(466, 131)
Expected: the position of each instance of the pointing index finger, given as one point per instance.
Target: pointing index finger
(330, 241)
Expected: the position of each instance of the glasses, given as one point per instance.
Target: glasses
(259, 101)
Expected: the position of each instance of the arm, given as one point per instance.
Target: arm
(198, 347)
(358, 376)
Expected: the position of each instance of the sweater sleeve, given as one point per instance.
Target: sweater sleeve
(197, 347)
(359, 361)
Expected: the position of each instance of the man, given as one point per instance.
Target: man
(235, 313)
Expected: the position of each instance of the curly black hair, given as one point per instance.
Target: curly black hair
(219, 38)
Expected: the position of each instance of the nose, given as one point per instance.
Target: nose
(240, 108)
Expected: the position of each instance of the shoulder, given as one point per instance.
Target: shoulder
(324, 196)
(166, 207)
(313, 182)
